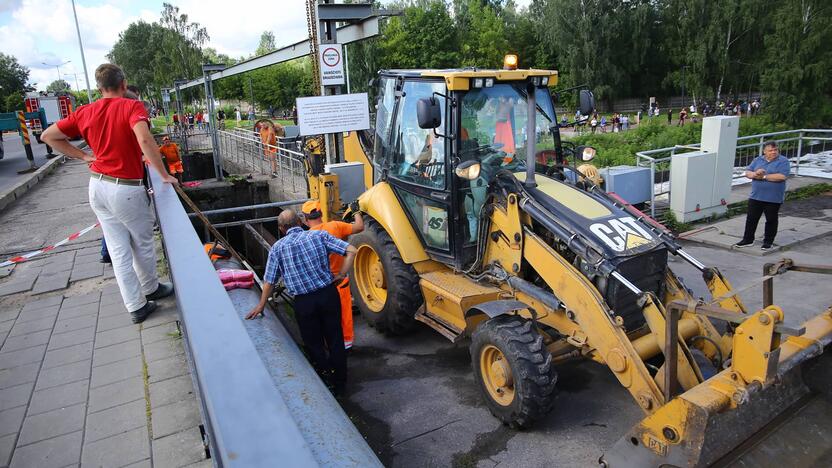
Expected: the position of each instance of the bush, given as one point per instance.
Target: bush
(621, 148)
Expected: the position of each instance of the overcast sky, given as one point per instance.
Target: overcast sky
(43, 31)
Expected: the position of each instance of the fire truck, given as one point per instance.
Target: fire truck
(55, 105)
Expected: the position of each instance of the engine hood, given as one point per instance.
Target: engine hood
(609, 229)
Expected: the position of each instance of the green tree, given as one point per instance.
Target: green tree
(481, 31)
(423, 37)
(58, 85)
(14, 80)
(266, 43)
(797, 62)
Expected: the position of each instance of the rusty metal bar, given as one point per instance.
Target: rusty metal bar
(258, 237)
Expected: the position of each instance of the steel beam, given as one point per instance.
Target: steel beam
(235, 209)
(344, 11)
(363, 29)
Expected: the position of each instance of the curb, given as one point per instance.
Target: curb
(19, 189)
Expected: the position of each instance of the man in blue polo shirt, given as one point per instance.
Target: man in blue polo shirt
(301, 258)
(768, 174)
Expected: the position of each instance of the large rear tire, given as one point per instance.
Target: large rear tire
(513, 369)
(386, 289)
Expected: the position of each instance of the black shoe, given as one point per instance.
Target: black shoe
(106, 259)
(163, 290)
(766, 247)
(743, 243)
(141, 314)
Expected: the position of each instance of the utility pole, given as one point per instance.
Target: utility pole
(251, 93)
(207, 69)
(81, 46)
(77, 88)
(57, 67)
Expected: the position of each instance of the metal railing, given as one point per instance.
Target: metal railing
(797, 145)
(260, 408)
(283, 161)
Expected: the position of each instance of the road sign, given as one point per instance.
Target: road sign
(165, 95)
(331, 58)
(319, 115)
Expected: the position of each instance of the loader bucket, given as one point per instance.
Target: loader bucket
(724, 422)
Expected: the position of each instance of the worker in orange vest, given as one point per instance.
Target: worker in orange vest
(170, 152)
(341, 230)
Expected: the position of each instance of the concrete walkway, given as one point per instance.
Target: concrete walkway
(79, 383)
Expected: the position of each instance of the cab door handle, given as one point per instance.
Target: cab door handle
(443, 196)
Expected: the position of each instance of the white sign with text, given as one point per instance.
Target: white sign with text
(331, 58)
(333, 114)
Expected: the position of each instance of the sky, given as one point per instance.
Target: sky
(39, 32)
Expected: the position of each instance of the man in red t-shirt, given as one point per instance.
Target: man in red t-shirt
(117, 131)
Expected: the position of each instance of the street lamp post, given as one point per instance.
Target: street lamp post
(81, 46)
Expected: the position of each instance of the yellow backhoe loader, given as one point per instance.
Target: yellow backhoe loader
(481, 226)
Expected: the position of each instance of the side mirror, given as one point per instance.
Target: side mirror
(587, 102)
(428, 113)
(372, 83)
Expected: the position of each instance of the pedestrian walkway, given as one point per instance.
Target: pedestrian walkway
(79, 383)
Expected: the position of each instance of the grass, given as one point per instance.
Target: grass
(159, 122)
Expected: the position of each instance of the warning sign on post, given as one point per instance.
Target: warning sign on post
(333, 114)
(332, 64)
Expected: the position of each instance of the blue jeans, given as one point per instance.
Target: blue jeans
(104, 253)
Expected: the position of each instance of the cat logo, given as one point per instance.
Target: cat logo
(622, 233)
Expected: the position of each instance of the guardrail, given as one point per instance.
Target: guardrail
(283, 161)
(252, 418)
(796, 145)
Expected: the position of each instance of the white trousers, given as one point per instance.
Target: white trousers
(127, 221)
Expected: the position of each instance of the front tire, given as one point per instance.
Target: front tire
(385, 288)
(513, 369)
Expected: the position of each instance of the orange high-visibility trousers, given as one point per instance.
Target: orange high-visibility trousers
(346, 312)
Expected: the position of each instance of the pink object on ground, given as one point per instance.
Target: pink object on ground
(228, 275)
(191, 184)
(238, 284)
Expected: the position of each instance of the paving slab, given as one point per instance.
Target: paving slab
(72, 301)
(162, 350)
(58, 397)
(55, 376)
(6, 448)
(167, 368)
(179, 449)
(78, 311)
(119, 450)
(792, 231)
(86, 271)
(117, 352)
(115, 394)
(51, 282)
(38, 314)
(17, 285)
(24, 328)
(171, 390)
(10, 313)
(11, 419)
(43, 302)
(68, 355)
(20, 357)
(116, 335)
(116, 371)
(114, 321)
(51, 424)
(116, 420)
(57, 452)
(161, 332)
(63, 340)
(19, 375)
(175, 417)
(14, 343)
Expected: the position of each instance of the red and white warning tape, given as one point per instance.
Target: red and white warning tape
(25, 257)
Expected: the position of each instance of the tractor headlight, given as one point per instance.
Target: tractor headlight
(478, 82)
(468, 170)
(587, 153)
(545, 81)
(489, 82)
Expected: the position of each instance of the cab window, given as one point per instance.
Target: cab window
(418, 155)
(384, 115)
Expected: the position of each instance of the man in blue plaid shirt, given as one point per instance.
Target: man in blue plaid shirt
(301, 258)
